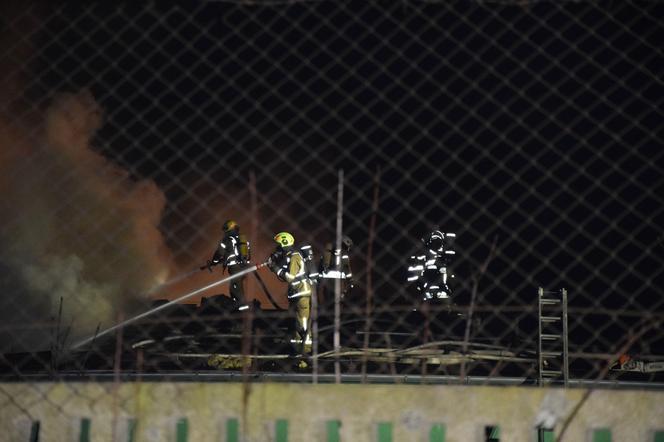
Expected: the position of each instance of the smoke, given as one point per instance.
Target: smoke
(74, 227)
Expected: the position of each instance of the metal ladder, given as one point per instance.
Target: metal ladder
(552, 351)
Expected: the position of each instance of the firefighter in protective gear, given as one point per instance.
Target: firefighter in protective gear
(233, 253)
(429, 271)
(334, 264)
(288, 263)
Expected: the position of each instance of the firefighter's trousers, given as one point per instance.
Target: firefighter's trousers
(301, 308)
(237, 285)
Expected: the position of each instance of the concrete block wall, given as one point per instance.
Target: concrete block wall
(296, 412)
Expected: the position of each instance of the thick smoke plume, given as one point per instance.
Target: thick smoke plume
(74, 226)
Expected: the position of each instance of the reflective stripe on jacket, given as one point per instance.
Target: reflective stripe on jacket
(293, 271)
(228, 252)
(338, 268)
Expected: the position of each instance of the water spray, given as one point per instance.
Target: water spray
(168, 304)
(171, 281)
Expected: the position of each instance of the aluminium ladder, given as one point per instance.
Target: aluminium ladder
(552, 351)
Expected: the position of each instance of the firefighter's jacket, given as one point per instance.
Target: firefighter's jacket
(228, 253)
(429, 273)
(292, 269)
(335, 265)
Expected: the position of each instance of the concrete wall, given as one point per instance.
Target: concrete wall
(176, 412)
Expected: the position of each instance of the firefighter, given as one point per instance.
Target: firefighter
(335, 264)
(290, 266)
(429, 271)
(234, 254)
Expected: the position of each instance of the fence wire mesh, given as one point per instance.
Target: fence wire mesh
(532, 131)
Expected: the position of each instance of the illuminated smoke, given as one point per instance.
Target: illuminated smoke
(75, 226)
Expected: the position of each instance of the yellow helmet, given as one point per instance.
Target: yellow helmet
(284, 239)
(230, 225)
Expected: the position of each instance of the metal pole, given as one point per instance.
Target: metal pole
(253, 227)
(565, 341)
(337, 281)
(369, 298)
(314, 330)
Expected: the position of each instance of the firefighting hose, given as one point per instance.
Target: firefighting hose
(267, 292)
(168, 304)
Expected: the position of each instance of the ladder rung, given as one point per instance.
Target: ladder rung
(550, 337)
(550, 373)
(549, 301)
(550, 318)
(551, 354)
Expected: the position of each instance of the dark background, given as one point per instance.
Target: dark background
(539, 126)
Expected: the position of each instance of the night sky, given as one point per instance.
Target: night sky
(539, 126)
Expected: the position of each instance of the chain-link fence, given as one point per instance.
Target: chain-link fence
(525, 137)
